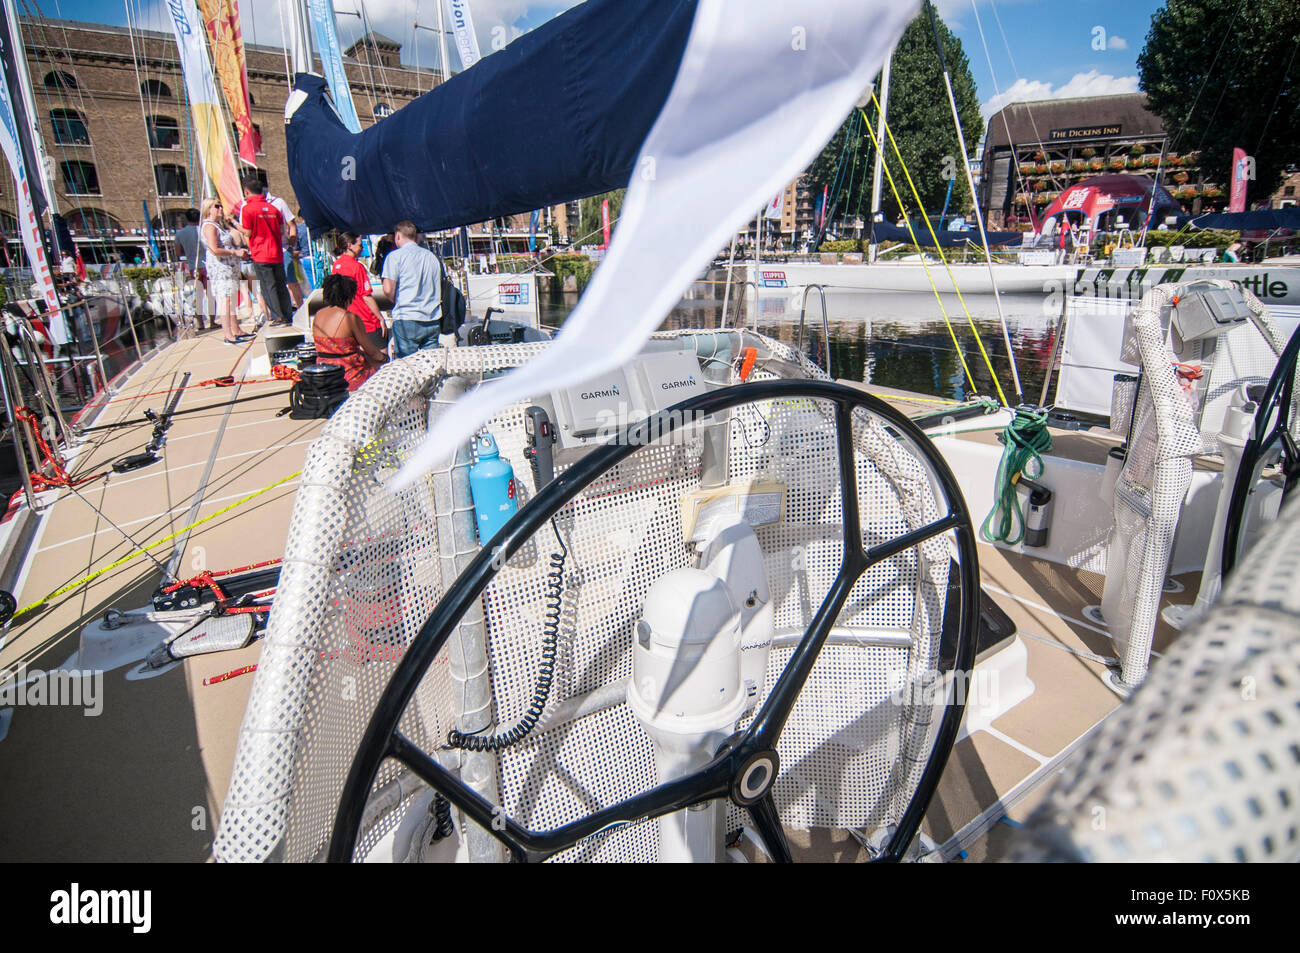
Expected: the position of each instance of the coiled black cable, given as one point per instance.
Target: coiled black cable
(441, 811)
(545, 669)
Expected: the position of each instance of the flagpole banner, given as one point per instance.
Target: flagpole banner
(1237, 197)
(221, 20)
(29, 222)
(462, 28)
(205, 106)
(331, 57)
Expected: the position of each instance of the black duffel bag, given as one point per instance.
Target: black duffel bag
(319, 392)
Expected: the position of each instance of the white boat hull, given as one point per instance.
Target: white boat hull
(1274, 284)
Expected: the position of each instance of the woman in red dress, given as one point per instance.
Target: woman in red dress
(339, 335)
(363, 305)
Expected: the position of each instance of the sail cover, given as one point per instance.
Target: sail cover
(558, 114)
(1267, 219)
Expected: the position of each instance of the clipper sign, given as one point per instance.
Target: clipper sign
(512, 292)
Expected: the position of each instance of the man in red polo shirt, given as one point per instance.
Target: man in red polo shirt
(266, 230)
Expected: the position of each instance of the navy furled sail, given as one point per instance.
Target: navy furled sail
(882, 232)
(1265, 219)
(558, 114)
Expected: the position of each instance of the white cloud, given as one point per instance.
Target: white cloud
(1117, 43)
(1091, 83)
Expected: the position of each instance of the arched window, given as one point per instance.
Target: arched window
(171, 180)
(164, 132)
(59, 80)
(383, 110)
(92, 221)
(174, 219)
(156, 88)
(69, 127)
(80, 178)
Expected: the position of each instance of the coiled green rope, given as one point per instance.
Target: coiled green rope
(1024, 440)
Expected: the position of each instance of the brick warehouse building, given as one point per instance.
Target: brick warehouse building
(113, 117)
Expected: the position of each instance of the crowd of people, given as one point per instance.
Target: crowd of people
(262, 245)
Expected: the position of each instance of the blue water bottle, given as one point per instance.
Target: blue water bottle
(492, 485)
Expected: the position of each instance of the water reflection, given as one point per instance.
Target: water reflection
(896, 340)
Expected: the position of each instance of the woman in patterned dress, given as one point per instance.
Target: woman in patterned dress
(340, 336)
(223, 259)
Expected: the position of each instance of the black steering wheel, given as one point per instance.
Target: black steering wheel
(1272, 430)
(746, 766)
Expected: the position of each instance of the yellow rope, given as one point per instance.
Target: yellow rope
(918, 400)
(921, 205)
(166, 539)
(933, 287)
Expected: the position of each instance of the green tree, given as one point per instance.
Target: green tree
(1223, 74)
(921, 120)
(589, 220)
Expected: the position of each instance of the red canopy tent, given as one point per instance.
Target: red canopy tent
(1129, 195)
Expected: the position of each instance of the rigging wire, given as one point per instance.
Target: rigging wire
(979, 219)
(1006, 127)
(1033, 123)
(1206, 80)
(924, 264)
(970, 320)
(1282, 85)
(83, 110)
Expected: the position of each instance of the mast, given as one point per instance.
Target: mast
(880, 154)
(298, 28)
(443, 66)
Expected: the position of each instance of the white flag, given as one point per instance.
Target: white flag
(777, 205)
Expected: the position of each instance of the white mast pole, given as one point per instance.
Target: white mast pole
(880, 154)
(299, 39)
(442, 44)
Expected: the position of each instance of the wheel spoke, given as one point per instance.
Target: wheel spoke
(905, 542)
(768, 825)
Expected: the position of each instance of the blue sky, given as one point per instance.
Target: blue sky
(1053, 43)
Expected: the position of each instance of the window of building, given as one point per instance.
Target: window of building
(171, 179)
(383, 110)
(59, 80)
(1289, 190)
(174, 218)
(69, 127)
(156, 88)
(92, 221)
(262, 177)
(164, 132)
(80, 178)
(8, 223)
(234, 133)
